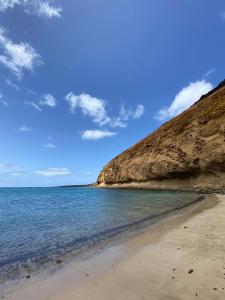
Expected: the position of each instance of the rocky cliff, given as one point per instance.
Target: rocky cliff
(187, 152)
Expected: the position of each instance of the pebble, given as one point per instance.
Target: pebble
(58, 261)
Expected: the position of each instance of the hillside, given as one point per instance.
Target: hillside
(187, 152)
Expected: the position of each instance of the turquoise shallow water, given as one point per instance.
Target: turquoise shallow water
(42, 226)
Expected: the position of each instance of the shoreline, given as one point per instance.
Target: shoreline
(92, 245)
(140, 260)
(201, 184)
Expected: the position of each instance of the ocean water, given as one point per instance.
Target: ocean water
(42, 227)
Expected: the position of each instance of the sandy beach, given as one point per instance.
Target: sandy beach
(180, 258)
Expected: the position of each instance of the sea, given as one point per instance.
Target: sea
(42, 228)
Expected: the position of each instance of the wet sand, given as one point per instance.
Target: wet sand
(181, 258)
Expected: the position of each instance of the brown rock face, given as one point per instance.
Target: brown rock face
(188, 149)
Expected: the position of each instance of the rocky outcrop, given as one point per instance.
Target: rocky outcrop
(185, 153)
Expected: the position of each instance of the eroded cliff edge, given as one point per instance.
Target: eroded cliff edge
(187, 152)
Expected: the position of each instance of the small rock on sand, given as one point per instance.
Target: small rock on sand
(58, 261)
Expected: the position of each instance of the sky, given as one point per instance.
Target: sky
(83, 80)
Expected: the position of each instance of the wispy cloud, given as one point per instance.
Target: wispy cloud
(49, 11)
(5, 4)
(223, 16)
(53, 172)
(125, 114)
(48, 100)
(4, 165)
(25, 128)
(49, 146)
(12, 170)
(9, 169)
(95, 108)
(138, 112)
(11, 174)
(17, 57)
(15, 174)
(209, 72)
(12, 84)
(37, 7)
(33, 104)
(184, 99)
(4, 102)
(95, 135)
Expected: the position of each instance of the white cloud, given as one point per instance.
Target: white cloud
(34, 105)
(184, 99)
(95, 135)
(138, 112)
(5, 4)
(48, 100)
(90, 106)
(49, 11)
(25, 128)
(36, 7)
(54, 172)
(49, 146)
(96, 109)
(125, 115)
(18, 58)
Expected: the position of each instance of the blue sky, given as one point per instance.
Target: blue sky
(83, 80)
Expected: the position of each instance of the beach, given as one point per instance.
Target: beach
(183, 257)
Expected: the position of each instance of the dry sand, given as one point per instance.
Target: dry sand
(181, 258)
